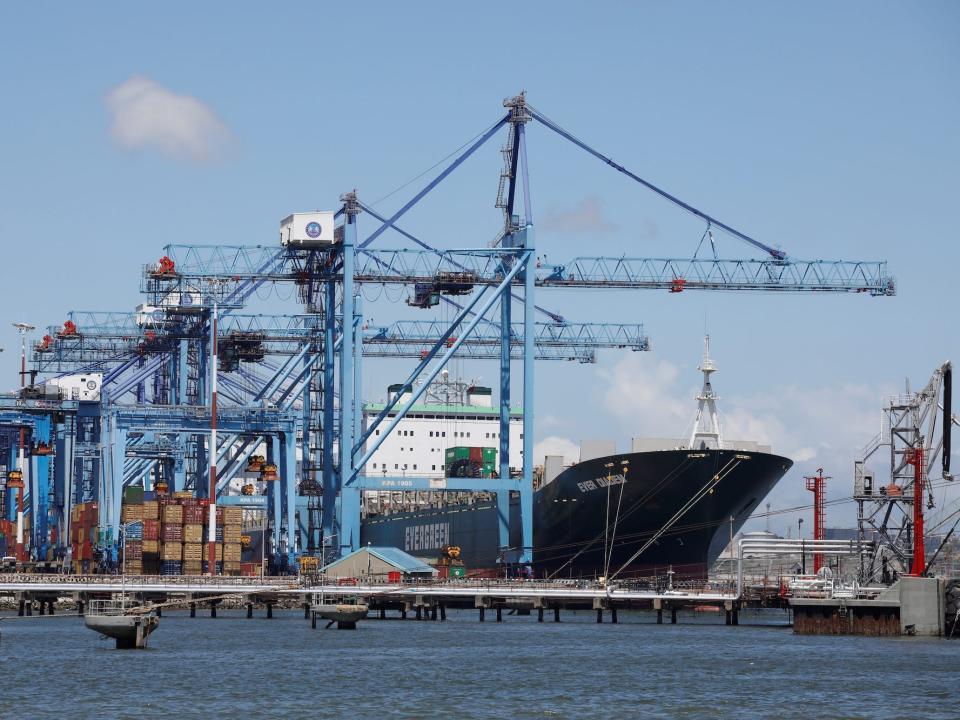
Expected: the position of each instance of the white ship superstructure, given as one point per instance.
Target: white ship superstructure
(453, 414)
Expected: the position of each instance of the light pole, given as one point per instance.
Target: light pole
(212, 524)
(23, 329)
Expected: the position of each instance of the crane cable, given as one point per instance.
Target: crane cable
(616, 518)
(708, 488)
(586, 546)
(544, 120)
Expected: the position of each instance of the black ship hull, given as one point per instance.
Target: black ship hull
(675, 508)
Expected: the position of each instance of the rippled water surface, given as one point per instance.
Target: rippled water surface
(56, 668)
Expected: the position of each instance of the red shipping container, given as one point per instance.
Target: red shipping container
(84, 552)
(194, 514)
(171, 533)
(151, 529)
(394, 576)
(133, 550)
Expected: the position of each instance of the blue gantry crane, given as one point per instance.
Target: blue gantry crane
(292, 382)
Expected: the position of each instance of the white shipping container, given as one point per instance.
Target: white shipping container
(307, 230)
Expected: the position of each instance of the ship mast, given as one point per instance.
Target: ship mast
(706, 428)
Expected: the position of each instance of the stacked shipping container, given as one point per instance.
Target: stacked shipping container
(83, 535)
(173, 539)
(470, 462)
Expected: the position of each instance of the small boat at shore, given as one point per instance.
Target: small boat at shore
(130, 625)
(345, 611)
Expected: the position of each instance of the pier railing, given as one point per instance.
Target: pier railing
(134, 582)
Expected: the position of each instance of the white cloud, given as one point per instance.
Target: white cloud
(804, 424)
(147, 115)
(818, 426)
(586, 217)
(641, 390)
(554, 445)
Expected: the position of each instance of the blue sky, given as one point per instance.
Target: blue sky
(827, 129)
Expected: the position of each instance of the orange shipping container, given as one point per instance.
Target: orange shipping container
(193, 533)
(131, 513)
(173, 514)
(232, 515)
(171, 551)
(192, 552)
(231, 552)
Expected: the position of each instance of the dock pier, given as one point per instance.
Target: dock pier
(910, 606)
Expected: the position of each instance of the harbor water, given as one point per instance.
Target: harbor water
(234, 667)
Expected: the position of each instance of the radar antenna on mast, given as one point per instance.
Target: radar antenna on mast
(706, 428)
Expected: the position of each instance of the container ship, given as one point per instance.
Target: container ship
(669, 503)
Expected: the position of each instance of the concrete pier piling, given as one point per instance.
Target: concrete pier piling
(911, 606)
